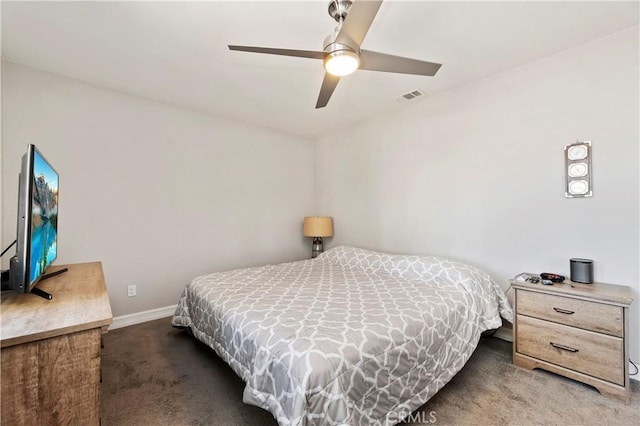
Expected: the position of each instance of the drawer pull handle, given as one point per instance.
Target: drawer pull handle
(563, 311)
(563, 347)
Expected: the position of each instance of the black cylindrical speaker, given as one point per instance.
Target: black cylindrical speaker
(581, 270)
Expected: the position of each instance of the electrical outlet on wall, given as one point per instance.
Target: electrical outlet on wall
(131, 291)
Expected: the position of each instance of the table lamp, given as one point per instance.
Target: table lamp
(317, 227)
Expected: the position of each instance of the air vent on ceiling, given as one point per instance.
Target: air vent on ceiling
(409, 96)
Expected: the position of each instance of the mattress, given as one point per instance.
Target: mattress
(351, 337)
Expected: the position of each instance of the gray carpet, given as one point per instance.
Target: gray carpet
(154, 374)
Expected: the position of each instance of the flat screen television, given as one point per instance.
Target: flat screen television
(37, 234)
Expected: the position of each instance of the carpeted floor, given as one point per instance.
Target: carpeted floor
(154, 374)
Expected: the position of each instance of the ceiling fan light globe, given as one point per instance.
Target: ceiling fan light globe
(341, 62)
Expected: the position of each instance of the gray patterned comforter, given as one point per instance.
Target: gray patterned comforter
(352, 337)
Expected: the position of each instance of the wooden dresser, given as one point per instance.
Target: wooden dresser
(580, 331)
(51, 349)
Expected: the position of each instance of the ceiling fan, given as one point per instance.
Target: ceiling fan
(342, 54)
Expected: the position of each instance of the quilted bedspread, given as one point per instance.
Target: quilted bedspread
(351, 337)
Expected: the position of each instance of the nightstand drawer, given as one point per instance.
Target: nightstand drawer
(574, 312)
(597, 355)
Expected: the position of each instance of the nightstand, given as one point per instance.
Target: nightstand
(580, 331)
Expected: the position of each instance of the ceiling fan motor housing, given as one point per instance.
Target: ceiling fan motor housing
(330, 45)
(338, 9)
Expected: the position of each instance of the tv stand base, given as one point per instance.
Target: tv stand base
(41, 293)
(6, 283)
(53, 274)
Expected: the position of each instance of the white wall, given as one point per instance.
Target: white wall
(477, 173)
(159, 194)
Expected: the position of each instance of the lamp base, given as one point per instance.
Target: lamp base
(317, 247)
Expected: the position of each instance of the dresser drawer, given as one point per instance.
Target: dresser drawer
(597, 355)
(574, 312)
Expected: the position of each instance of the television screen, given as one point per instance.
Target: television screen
(44, 217)
(37, 230)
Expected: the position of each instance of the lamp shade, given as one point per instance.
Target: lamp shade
(317, 226)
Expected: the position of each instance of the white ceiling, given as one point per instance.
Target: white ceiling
(176, 52)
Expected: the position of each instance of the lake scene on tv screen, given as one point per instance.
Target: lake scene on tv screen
(44, 217)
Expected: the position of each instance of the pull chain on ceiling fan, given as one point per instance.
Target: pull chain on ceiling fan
(342, 54)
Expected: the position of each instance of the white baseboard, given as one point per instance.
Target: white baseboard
(140, 317)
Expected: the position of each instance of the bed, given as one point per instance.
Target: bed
(351, 337)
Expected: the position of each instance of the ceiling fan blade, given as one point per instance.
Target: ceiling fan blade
(357, 22)
(376, 61)
(328, 86)
(284, 52)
